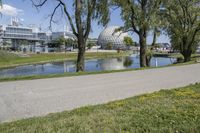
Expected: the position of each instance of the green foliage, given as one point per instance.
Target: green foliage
(170, 111)
(23, 42)
(90, 45)
(60, 41)
(70, 42)
(128, 41)
(128, 62)
(109, 46)
(139, 16)
(184, 25)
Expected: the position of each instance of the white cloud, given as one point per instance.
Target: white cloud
(10, 10)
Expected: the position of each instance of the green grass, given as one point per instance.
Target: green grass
(166, 111)
(5, 58)
(33, 77)
(11, 60)
(174, 55)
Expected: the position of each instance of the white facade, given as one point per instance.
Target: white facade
(109, 36)
(66, 35)
(21, 38)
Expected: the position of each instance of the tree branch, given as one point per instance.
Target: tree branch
(133, 17)
(40, 4)
(91, 9)
(69, 17)
(52, 15)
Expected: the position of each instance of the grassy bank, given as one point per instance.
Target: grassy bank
(171, 111)
(11, 60)
(33, 77)
(36, 58)
(174, 55)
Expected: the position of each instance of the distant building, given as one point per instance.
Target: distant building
(66, 34)
(92, 40)
(19, 37)
(109, 39)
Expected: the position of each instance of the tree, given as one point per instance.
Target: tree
(84, 12)
(90, 45)
(184, 25)
(158, 23)
(109, 46)
(60, 41)
(156, 33)
(138, 16)
(128, 41)
(70, 42)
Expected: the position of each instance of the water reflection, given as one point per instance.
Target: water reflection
(128, 62)
(90, 65)
(112, 64)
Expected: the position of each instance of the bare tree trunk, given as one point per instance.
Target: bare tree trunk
(187, 55)
(80, 38)
(143, 49)
(148, 60)
(80, 66)
(186, 50)
(154, 38)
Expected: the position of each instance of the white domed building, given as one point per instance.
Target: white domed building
(109, 37)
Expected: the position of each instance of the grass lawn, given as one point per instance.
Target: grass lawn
(9, 60)
(166, 111)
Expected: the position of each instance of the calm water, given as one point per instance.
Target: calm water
(90, 66)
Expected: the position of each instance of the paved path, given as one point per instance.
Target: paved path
(24, 99)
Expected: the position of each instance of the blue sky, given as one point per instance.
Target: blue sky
(24, 10)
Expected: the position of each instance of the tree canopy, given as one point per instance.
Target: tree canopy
(139, 17)
(183, 18)
(128, 41)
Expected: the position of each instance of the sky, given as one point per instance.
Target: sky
(28, 15)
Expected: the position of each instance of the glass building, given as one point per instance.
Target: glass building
(110, 38)
(18, 32)
(17, 36)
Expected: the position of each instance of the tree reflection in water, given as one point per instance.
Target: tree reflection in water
(128, 62)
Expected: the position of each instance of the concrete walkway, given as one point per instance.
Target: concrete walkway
(24, 99)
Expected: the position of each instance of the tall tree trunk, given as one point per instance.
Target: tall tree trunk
(154, 38)
(187, 55)
(148, 59)
(143, 49)
(80, 65)
(186, 50)
(80, 37)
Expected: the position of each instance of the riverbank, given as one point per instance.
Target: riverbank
(33, 77)
(12, 60)
(57, 57)
(176, 110)
(174, 55)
